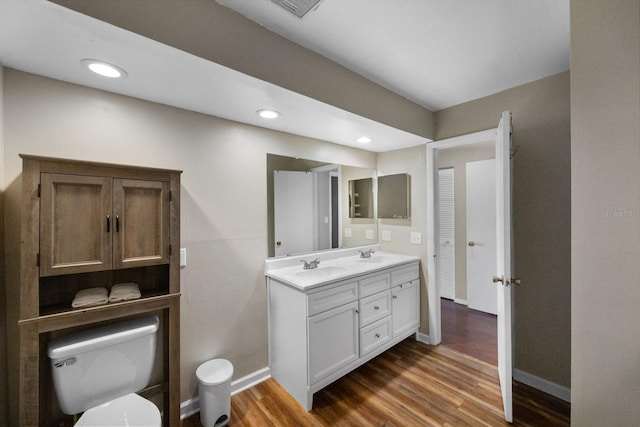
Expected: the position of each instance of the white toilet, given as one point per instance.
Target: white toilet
(98, 372)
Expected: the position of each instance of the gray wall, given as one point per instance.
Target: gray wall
(224, 197)
(605, 176)
(541, 215)
(3, 327)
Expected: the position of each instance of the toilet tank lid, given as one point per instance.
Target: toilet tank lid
(93, 339)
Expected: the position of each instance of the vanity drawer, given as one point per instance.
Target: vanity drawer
(331, 296)
(374, 307)
(374, 335)
(405, 274)
(373, 284)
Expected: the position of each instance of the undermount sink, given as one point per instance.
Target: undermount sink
(322, 271)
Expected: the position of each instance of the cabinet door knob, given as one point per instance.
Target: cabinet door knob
(357, 311)
(395, 297)
(376, 307)
(377, 335)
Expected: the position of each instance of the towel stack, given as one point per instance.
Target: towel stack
(90, 297)
(99, 296)
(124, 292)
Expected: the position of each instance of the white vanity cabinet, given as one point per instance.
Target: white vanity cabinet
(332, 334)
(406, 313)
(321, 332)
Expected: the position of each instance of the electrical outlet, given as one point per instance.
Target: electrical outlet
(386, 235)
(347, 232)
(416, 238)
(369, 234)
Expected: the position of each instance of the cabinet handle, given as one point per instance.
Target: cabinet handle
(357, 311)
(377, 335)
(376, 307)
(395, 297)
(117, 224)
(108, 224)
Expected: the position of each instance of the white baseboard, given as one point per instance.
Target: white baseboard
(192, 406)
(541, 384)
(460, 301)
(423, 338)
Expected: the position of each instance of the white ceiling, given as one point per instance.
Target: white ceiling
(437, 53)
(387, 41)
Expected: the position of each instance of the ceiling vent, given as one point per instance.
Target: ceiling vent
(297, 7)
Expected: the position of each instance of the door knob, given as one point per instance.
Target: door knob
(471, 243)
(278, 243)
(516, 281)
(497, 279)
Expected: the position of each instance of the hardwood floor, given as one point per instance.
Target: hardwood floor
(469, 331)
(412, 384)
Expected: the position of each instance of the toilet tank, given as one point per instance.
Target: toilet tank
(98, 365)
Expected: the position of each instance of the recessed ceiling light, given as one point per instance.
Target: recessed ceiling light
(268, 114)
(363, 139)
(104, 68)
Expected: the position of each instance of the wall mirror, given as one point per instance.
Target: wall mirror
(361, 198)
(308, 207)
(394, 196)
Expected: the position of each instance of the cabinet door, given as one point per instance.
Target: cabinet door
(333, 340)
(141, 223)
(405, 307)
(75, 229)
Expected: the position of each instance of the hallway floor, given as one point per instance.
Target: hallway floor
(469, 331)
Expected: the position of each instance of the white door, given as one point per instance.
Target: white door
(504, 260)
(446, 218)
(481, 235)
(293, 209)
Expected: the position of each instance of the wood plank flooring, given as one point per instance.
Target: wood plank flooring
(469, 331)
(412, 384)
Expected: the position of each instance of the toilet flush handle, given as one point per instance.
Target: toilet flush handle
(66, 362)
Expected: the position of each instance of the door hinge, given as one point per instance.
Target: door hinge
(38, 259)
(169, 250)
(39, 190)
(170, 196)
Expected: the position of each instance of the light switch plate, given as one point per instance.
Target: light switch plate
(183, 257)
(369, 234)
(416, 238)
(347, 232)
(386, 235)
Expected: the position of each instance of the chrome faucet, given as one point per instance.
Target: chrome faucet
(367, 253)
(311, 264)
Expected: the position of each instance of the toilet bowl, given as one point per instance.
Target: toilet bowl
(97, 372)
(128, 410)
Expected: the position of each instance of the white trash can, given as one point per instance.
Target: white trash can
(214, 388)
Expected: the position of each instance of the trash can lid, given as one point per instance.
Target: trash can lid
(214, 372)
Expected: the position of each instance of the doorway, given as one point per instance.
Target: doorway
(502, 277)
(466, 223)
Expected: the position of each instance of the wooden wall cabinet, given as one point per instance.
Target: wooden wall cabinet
(94, 223)
(86, 224)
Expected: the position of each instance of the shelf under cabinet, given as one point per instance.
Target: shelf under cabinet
(57, 292)
(84, 316)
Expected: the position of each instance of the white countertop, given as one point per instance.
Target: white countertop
(334, 266)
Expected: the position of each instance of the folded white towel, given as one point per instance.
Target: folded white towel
(90, 297)
(124, 292)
